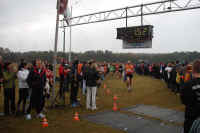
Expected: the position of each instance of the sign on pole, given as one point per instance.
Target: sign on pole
(136, 37)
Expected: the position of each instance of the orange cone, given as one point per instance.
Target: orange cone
(45, 123)
(115, 107)
(115, 98)
(76, 117)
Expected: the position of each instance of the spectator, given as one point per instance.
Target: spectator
(92, 77)
(190, 96)
(22, 76)
(188, 73)
(74, 84)
(61, 74)
(66, 81)
(195, 126)
(9, 77)
(1, 73)
(36, 80)
(85, 65)
(168, 70)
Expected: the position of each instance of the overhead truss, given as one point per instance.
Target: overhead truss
(153, 8)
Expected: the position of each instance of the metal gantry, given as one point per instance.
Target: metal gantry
(141, 10)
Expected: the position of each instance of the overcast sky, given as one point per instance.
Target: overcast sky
(29, 25)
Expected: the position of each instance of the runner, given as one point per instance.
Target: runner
(129, 74)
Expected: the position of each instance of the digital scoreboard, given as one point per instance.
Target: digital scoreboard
(136, 34)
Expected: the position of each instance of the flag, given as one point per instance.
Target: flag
(63, 6)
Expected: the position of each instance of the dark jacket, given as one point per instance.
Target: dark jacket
(173, 75)
(190, 96)
(1, 70)
(190, 93)
(91, 76)
(36, 80)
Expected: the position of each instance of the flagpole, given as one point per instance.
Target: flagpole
(55, 54)
(70, 38)
(64, 37)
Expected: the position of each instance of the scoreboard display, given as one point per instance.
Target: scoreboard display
(136, 34)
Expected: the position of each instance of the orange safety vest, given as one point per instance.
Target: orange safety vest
(129, 69)
(80, 68)
(187, 77)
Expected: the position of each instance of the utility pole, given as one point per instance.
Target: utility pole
(142, 15)
(55, 54)
(126, 17)
(70, 43)
(63, 37)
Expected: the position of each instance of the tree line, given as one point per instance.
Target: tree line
(100, 56)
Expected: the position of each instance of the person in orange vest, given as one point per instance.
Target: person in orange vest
(188, 73)
(80, 65)
(129, 69)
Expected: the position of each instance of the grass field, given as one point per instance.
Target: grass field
(146, 90)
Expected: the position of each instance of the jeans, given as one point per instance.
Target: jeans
(91, 97)
(74, 92)
(84, 87)
(36, 100)
(9, 100)
(23, 94)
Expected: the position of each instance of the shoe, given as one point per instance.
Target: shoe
(40, 115)
(93, 109)
(88, 108)
(28, 117)
(129, 89)
(74, 105)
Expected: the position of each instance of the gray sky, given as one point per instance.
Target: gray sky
(29, 25)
